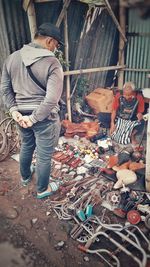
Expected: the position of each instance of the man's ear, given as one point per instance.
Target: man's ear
(48, 41)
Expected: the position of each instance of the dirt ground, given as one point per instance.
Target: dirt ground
(30, 232)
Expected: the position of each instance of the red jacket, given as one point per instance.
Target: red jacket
(140, 108)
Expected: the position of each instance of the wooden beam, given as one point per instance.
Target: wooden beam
(138, 70)
(84, 71)
(110, 11)
(32, 19)
(67, 60)
(147, 174)
(42, 1)
(122, 19)
(26, 4)
(137, 4)
(63, 12)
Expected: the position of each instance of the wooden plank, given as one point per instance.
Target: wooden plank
(83, 71)
(110, 11)
(122, 19)
(26, 4)
(93, 2)
(135, 3)
(32, 19)
(63, 12)
(138, 70)
(67, 60)
(42, 1)
(147, 174)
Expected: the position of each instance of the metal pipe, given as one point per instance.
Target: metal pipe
(141, 264)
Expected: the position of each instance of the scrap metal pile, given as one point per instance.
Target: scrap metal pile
(100, 188)
(105, 217)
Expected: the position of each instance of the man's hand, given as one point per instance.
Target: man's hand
(139, 116)
(112, 127)
(17, 116)
(25, 122)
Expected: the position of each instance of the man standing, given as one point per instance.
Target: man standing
(31, 87)
(126, 117)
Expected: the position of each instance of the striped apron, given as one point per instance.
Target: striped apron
(123, 131)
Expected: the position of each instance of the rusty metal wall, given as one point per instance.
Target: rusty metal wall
(15, 32)
(100, 44)
(14, 28)
(76, 15)
(138, 48)
(98, 47)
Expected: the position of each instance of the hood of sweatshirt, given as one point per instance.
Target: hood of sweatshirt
(33, 52)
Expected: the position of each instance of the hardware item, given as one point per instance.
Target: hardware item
(89, 210)
(81, 215)
(133, 217)
(113, 197)
(100, 253)
(147, 221)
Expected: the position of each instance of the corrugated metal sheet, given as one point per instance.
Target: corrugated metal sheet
(138, 48)
(99, 47)
(76, 14)
(14, 29)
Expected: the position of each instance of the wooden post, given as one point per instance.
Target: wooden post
(146, 94)
(137, 70)
(67, 60)
(110, 11)
(122, 16)
(32, 19)
(63, 12)
(147, 174)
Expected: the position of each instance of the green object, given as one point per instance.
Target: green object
(89, 211)
(44, 194)
(81, 215)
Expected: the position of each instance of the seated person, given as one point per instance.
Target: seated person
(127, 109)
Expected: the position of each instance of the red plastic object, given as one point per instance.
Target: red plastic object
(107, 171)
(75, 163)
(82, 248)
(141, 148)
(133, 217)
(119, 212)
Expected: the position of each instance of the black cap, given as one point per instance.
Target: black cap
(49, 29)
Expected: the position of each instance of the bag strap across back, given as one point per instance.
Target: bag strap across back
(34, 78)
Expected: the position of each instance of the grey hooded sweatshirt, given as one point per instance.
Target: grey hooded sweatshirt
(21, 93)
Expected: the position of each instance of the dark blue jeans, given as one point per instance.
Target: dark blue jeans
(44, 137)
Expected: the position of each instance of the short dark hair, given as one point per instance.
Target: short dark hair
(38, 35)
